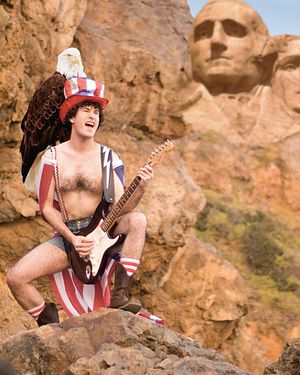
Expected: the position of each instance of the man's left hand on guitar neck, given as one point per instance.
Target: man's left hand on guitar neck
(146, 173)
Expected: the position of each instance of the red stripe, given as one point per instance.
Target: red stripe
(70, 289)
(98, 89)
(78, 283)
(68, 89)
(56, 205)
(126, 263)
(82, 85)
(146, 315)
(107, 289)
(46, 177)
(58, 296)
(36, 313)
(36, 310)
(101, 297)
(98, 301)
(80, 286)
(128, 267)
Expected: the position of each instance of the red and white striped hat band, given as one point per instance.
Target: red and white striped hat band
(79, 90)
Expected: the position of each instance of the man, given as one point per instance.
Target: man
(80, 176)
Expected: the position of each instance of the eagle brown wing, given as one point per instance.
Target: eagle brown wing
(41, 124)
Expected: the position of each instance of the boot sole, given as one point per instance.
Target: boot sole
(131, 306)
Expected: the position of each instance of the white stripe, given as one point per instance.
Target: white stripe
(90, 85)
(106, 164)
(129, 273)
(102, 89)
(44, 161)
(105, 276)
(62, 291)
(89, 295)
(36, 315)
(33, 310)
(117, 162)
(78, 295)
(128, 267)
(130, 260)
(74, 86)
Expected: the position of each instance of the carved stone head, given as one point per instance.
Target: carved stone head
(286, 72)
(227, 35)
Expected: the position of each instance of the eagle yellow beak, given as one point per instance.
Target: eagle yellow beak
(75, 59)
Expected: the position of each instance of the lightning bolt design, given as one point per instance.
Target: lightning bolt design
(106, 164)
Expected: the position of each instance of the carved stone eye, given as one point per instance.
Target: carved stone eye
(203, 31)
(234, 29)
(289, 67)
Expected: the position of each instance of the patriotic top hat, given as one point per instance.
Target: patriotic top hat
(79, 90)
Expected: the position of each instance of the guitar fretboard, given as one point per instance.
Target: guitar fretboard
(115, 211)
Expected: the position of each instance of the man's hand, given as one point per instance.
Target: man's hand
(83, 245)
(146, 174)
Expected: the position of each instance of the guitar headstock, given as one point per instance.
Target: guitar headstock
(158, 154)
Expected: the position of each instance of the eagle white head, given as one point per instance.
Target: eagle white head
(69, 63)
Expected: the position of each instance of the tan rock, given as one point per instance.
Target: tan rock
(107, 341)
(287, 363)
(203, 294)
(13, 318)
(240, 140)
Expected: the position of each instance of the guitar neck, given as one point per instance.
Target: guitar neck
(110, 219)
(155, 158)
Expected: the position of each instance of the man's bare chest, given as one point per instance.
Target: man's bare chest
(81, 176)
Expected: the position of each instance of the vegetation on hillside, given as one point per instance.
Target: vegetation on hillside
(264, 248)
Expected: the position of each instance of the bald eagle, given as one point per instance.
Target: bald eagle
(41, 125)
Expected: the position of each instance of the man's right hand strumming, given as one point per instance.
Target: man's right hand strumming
(83, 245)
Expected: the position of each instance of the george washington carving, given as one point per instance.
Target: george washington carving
(227, 36)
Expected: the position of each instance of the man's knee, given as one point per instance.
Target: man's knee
(14, 279)
(137, 221)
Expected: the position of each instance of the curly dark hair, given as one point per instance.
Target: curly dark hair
(72, 112)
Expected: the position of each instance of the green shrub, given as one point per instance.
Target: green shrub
(260, 249)
(263, 242)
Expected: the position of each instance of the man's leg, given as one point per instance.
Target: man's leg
(133, 225)
(45, 259)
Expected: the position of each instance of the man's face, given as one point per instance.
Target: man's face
(222, 48)
(86, 121)
(286, 80)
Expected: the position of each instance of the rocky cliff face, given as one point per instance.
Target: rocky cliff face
(106, 342)
(140, 51)
(288, 363)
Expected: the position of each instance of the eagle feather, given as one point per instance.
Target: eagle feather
(41, 124)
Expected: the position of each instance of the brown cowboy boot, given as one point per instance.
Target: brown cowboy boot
(120, 294)
(48, 315)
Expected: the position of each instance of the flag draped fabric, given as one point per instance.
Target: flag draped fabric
(77, 298)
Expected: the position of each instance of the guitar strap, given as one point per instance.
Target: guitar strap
(107, 174)
(57, 185)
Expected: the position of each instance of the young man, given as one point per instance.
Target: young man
(80, 177)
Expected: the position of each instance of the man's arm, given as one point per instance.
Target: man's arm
(53, 217)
